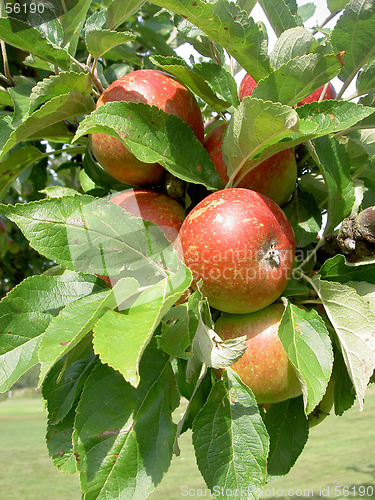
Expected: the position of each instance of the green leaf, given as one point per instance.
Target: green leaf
(63, 385)
(29, 39)
(230, 440)
(154, 136)
(305, 217)
(220, 80)
(96, 21)
(335, 168)
(254, 125)
(366, 78)
(132, 330)
(353, 33)
(34, 302)
(306, 11)
(21, 99)
(51, 28)
(118, 11)
(59, 443)
(369, 122)
(279, 15)
(57, 85)
(5, 99)
(354, 324)
(58, 191)
(179, 326)
(361, 149)
(246, 5)
(114, 423)
(153, 39)
(197, 38)
(209, 347)
(225, 23)
(293, 6)
(337, 269)
(73, 322)
(366, 291)
(297, 78)
(58, 132)
(333, 116)
(295, 287)
(72, 21)
(306, 341)
(292, 43)
(14, 164)
(95, 236)
(288, 429)
(57, 109)
(197, 83)
(336, 5)
(98, 42)
(6, 128)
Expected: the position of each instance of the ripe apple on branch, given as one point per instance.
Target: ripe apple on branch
(155, 88)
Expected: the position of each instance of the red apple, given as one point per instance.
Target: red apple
(264, 367)
(248, 83)
(275, 177)
(152, 206)
(330, 93)
(155, 207)
(246, 87)
(155, 88)
(242, 246)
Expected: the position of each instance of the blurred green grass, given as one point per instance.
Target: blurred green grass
(340, 452)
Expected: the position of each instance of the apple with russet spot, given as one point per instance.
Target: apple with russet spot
(242, 246)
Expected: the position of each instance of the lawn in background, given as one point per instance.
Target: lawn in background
(340, 452)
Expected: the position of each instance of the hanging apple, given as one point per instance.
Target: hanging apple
(264, 367)
(155, 88)
(275, 177)
(242, 247)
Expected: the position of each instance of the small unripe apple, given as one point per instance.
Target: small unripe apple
(242, 246)
(275, 177)
(330, 93)
(155, 88)
(264, 367)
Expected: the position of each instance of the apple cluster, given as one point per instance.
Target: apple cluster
(237, 241)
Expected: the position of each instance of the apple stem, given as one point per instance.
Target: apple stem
(5, 62)
(95, 77)
(176, 448)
